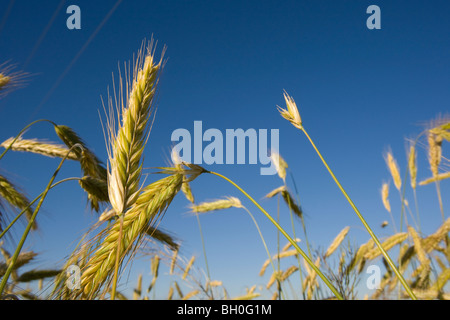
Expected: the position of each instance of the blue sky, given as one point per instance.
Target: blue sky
(359, 92)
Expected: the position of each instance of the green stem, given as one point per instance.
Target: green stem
(264, 243)
(294, 244)
(301, 218)
(295, 237)
(388, 259)
(30, 224)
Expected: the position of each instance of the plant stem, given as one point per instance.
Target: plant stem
(388, 259)
(295, 237)
(294, 244)
(204, 250)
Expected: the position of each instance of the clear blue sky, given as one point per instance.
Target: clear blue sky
(359, 92)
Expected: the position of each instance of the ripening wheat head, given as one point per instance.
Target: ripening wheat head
(127, 144)
(152, 201)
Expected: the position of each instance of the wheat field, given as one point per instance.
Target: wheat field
(129, 202)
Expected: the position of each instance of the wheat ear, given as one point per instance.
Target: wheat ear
(153, 200)
(127, 144)
(40, 147)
